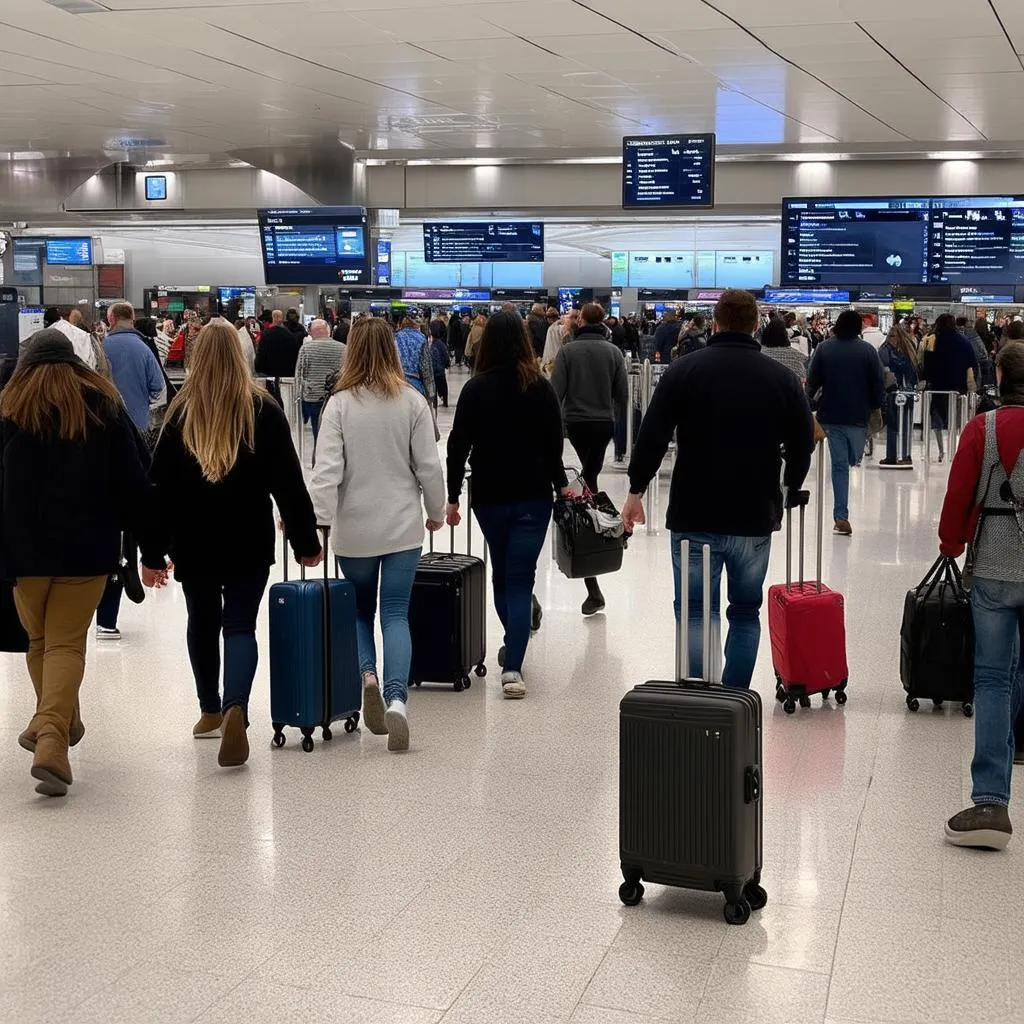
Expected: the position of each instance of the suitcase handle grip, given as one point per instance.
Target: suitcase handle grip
(752, 785)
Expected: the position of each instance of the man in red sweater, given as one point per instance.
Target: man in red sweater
(985, 505)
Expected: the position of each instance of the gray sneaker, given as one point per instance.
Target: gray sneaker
(984, 826)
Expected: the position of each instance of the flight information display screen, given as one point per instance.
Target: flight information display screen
(69, 252)
(486, 242)
(319, 245)
(855, 241)
(955, 240)
(668, 170)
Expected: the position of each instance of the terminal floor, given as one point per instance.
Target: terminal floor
(474, 880)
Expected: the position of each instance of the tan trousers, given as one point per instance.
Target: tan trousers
(56, 612)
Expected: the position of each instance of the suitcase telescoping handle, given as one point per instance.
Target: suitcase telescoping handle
(326, 531)
(683, 625)
(802, 499)
(469, 525)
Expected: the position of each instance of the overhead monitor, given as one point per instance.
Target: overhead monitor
(944, 240)
(484, 242)
(27, 261)
(652, 269)
(69, 252)
(805, 296)
(318, 245)
(665, 171)
(744, 268)
(156, 187)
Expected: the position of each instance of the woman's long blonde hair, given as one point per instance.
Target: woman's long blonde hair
(371, 360)
(215, 405)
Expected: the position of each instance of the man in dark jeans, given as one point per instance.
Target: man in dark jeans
(732, 411)
(589, 379)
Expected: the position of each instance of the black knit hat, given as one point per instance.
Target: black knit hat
(47, 346)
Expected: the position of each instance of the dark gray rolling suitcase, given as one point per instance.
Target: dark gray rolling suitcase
(690, 807)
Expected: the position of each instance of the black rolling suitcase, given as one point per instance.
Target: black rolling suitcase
(937, 640)
(447, 617)
(690, 806)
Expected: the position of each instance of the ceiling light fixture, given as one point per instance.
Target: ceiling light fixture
(79, 6)
(952, 154)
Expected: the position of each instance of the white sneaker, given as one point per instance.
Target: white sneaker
(512, 685)
(397, 720)
(107, 634)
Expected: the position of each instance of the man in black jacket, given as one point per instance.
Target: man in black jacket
(666, 336)
(732, 411)
(279, 350)
(457, 335)
(537, 326)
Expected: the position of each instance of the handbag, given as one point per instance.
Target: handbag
(590, 537)
(13, 637)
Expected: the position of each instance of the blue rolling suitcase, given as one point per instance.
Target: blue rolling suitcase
(314, 664)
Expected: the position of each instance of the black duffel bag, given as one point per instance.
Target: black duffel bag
(937, 639)
(582, 547)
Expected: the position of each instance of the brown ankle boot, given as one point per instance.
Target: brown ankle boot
(76, 730)
(234, 744)
(50, 764)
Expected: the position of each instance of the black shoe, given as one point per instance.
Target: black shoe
(501, 656)
(538, 615)
(1018, 756)
(888, 463)
(984, 826)
(593, 604)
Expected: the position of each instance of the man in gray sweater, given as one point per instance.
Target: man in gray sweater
(590, 381)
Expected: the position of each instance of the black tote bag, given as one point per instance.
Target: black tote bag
(13, 637)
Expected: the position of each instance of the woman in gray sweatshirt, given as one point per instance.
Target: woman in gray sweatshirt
(376, 466)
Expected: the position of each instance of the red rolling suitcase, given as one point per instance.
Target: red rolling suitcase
(807, 623)
(690, 805)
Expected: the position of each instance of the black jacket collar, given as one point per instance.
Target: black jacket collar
(734, 339)
(595, 331)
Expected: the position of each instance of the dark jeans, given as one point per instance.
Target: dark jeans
(110, 605)
(591, 440)
(515, 536)
(229, 606)
(311, 414)
(440, 389)
(746, 564)
(896, 447)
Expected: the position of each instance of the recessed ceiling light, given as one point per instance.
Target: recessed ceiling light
(79, 6)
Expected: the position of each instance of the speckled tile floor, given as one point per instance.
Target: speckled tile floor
(475, 880)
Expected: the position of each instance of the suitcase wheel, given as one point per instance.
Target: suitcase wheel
(825, 694)
(463, 684)
(755, 896)
(481, 670)
(789, 707)
(278, 739)
(968, 711)
(415, 682)
(307, 740)
(351, 724)
(912, 702)
(631, 893)
(937, 703)
(738, 912)
(327, 734)
(805, 702)
(841, 697)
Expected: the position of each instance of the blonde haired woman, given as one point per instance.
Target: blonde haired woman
(376, 465)
(225, 450)
(72, 476)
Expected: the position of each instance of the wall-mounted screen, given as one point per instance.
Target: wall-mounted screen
(156, 187)
(744, 269)
(488, 242)
(383, 261)
(69, 252)
(721, 268)
(668, 170)
(659, 270)
(27, 261)
(319, 245)
(965, 240)
(810, 296)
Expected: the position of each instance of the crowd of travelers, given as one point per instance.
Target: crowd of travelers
(113, 476)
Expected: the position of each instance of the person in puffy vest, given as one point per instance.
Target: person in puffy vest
(984, 508)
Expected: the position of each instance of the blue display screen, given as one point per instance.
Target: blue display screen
(156, 187)
(902, 240)
(791, 296)
(383, 261)
(320, 245)
(488, 242)
(668, 170)
(69, 252)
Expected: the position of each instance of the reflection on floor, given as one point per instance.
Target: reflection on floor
(475, 880)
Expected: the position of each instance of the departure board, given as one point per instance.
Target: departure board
(943, 240)
(666, 171)
(69, 252)
(318, 245)
(485, 242)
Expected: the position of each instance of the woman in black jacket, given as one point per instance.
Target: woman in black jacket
(73, 477)
(508, 424)
(224, 450)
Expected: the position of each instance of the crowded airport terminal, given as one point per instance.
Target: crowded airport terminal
(511, 511)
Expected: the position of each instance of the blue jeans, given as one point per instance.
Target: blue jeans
(846, 446)
(229, 606)
(110, 605)
(746, 563)
(998, 685)
(515, 536)
(395, 574)
(311, 415)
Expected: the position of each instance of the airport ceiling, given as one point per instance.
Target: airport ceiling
(195, 77)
